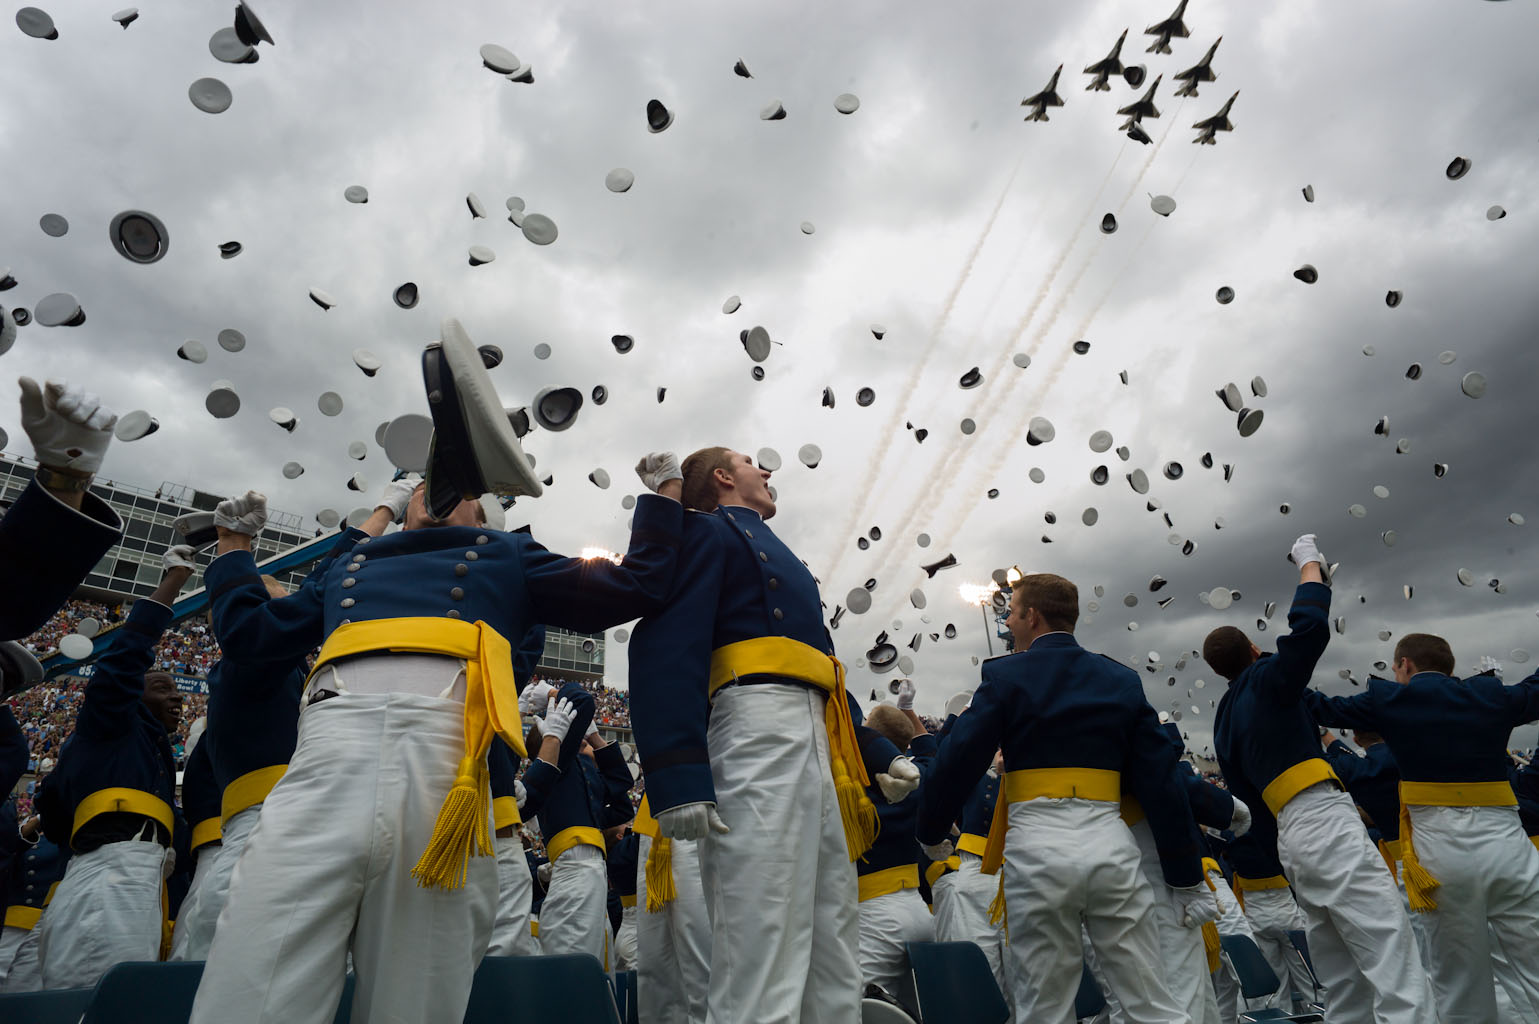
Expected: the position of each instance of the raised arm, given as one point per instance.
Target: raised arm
(1354, 712)
(960, 762)
(1284, 677)
(1523, 700)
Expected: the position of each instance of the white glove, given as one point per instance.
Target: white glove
(1305, 550)
(1490, 664)
(592, 727)
(178, 557)
(520, 794)
(1240, 823)
(534, 698)
(690, 821)
(397, 495)
(558, 719)
(543, 871)
(905, 695)
(657, 469)
(69, 428)
(1196, 905)
(900, 779)
(246, 514)
(940, 851)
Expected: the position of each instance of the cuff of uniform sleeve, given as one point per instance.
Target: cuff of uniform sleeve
(230, 570)
(148, 616)
(1181, 872)
(1313, 595)
(678, 784)
(657, 518)
(923, 745)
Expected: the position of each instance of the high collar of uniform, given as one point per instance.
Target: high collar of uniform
(1058, 638)
(737, 511)
(1431, 677)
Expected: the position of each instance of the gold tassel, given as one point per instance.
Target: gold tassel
(997, 905)
(1211, 945)
(856, 811)
(660, 888)
(460, 831)
(1419, 882)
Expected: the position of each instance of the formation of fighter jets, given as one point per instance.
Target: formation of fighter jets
(1100, 72)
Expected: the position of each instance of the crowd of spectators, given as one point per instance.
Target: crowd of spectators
(66, 621)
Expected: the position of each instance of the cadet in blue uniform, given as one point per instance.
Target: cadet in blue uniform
(112, 801)
(26, 889)
(1075, 729)
(892, 914)
(570, 794)
(57, 530)
(201, 851)
(1466, 860)
(739, 707)
(416, 629)
(1269, 750)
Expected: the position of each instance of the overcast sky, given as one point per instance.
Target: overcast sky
(970, 235)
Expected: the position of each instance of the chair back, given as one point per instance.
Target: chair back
(1090, 1000)
(55, 1006)
(145, 993)
(1256, 976)
(571, 988)
(955, 984)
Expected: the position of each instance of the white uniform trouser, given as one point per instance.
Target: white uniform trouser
(1513, 1005)
(211, 888)
(673, 945)
(1181, 949)
(962, 901)
(886, 923)
(328, 870)
(107, 910)
(1225, 983)
(625, 940)
(1359, 936)
(780, 885)
(26, 974)
(575, 915)
(1490, 883)
(511, 935)
(1273, 913)
(10, 940)
(1068, 861)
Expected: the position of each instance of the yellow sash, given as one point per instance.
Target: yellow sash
(973, 843)
(1210, 944)
(577, 835)
(249, 790)
(792, 659)
(1045, 783)
(491, 707)
(505, 812)
(22, 916)
(1244, 884)
(933, 873)
(1295, 780)
(1419, 883)
(889, 880)
(628, 901)
(206, 831)
(659, 873)
(120, 799)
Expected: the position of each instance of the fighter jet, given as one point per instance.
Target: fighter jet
(1219, 122)
(1105, 68)
(1164, 30)
(1199, 72)
(1144, 107)
(1048, 97)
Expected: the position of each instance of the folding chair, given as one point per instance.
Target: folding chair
(55, 1006)
(1257, 980)
(1090, 1000)
(571, 988)
(955, 984)
(625, 995)
(883, 1011)
(145, 993)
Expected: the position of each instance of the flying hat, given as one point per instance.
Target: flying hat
(600, 394)
(556, 408)
(366, 361)
(732, 305)
(1163, 205)
(357, 451)
(284, 417)
(499, 59)
(623, 343)
(37, 23)
(330, 403)
(229, 48)
(542, 351)
(293, 470)
(935, 567)
(135, 425)
(810, 454)
(1039, 431)
(127, 16)
(1457, 168)
(773, 111)
(846, 103)
(322, 299)
(54, 225)
(864, 397)
(229, 250)
(231, 340)
(1495, 213)
(138, 237)
(1081, 347)
(210, 95)
(355, 194)
(1224, 295)
(192, 351)
(1108, 224)
(222, 402)
(1392, 298)
(619, 180)
(1307, 273)
(659, 117)
(768, 459)
(59, 309)
(971, 379)
(1134, 74)
(1309, 193)
(1473, 384)
(196, 529)
(480, 254)
(249, 27)
(18, 668)
(407, 440)
(406, 295)
(474, 450)
(808, 227)
(539, 229)
(7, 330)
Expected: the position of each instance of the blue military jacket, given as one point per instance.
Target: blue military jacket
(507, 580)
(895, 844)
(1440, 729)
(117, 742)
(736, 581)
(200, 792)
(622, 864)
(1057, 705)
(977, 813)
(501, 761)
(33, 874)
(1262, 727)
(1254, 855)
(1373, 780)
(1211, 805)
(46, 549)
(576, 792)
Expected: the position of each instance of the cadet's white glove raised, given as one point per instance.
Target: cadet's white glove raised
(543, 871)
(657, 469)
(690, 821)
(905, 695)
(1195, 905)
(396, 496)
(940, 851)
(899, 780)
(534, 698)
(179, 557)
(1306, 550)
(1491, 665)
(246, 514)
(1240, 823)
(520, 794)
(558, 719)
(69, 427)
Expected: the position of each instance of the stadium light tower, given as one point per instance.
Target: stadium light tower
(983, 596)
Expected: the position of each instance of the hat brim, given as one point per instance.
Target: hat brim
(474, 450)
(19, 670)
